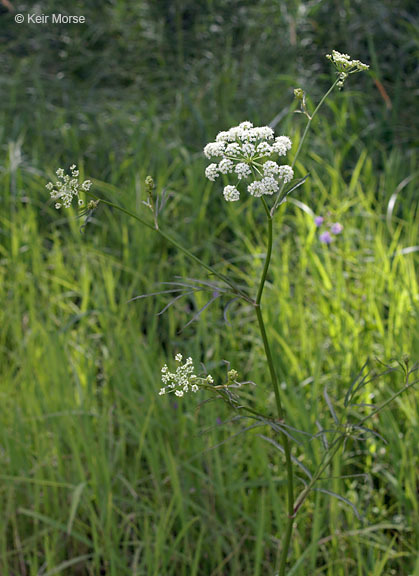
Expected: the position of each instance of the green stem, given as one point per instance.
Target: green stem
(300, 145)
(181, 248)
(275, 386)
(326, 460)
(310, 120)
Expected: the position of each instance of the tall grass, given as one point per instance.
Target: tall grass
(98, 475)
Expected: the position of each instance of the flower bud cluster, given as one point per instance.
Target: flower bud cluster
(183, 380)
(249, 153)
(67, 187)
(345, 66)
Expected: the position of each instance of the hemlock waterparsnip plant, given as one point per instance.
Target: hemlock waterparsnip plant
(250, 161)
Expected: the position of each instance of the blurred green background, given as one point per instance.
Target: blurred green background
(98, 475)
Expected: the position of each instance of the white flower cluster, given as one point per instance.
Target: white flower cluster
(183, 380)
(247, 151)
(67, 187)
(345, 66)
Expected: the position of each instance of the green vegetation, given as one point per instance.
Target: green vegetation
(100, 475)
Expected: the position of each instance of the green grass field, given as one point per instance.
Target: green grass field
(98, 474)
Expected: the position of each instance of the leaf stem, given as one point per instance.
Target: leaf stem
(275, 386)
(181, 248)
(300, 145)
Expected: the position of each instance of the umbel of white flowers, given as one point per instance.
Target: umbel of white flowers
(250, 154)
(67, 187)
(183, 380)
(345, 66)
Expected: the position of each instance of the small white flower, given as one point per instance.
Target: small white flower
(286, 173)
(182, 380)
(231, 194)
(241, 149)
(222, 137)
(263, 132)
(225, 166)
(344, 63)
(233, 149)
(270, 168)
(345, 66)
(214, 149)
(66, 188)
(264, 149)
(210, 379)
(211, 172)
(248, 149)
(281, 145)
(256, 189)
(246, 125)
(86, 185)
(270, 185)
(242, 170)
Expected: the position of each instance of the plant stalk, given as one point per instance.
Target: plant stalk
(300, 145)
(275, 386)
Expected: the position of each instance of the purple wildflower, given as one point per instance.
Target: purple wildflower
(325, 238)
(336, 228)
(318, 220)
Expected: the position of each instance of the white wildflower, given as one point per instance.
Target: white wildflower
(246, 125)
(242, 170)
(249, 153)
(183, 380)
(263, 132)
(248, 149)
(225, 166)
(286, 173)
(256, 189)
(270, 185)
(67, 187)
(222, 137)
(281, 145)
(233, 149)
(231, 194)
(264, 149)
(86, 185)
(214, 149)
(270, 168)
(345, 66)
(211, 172)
